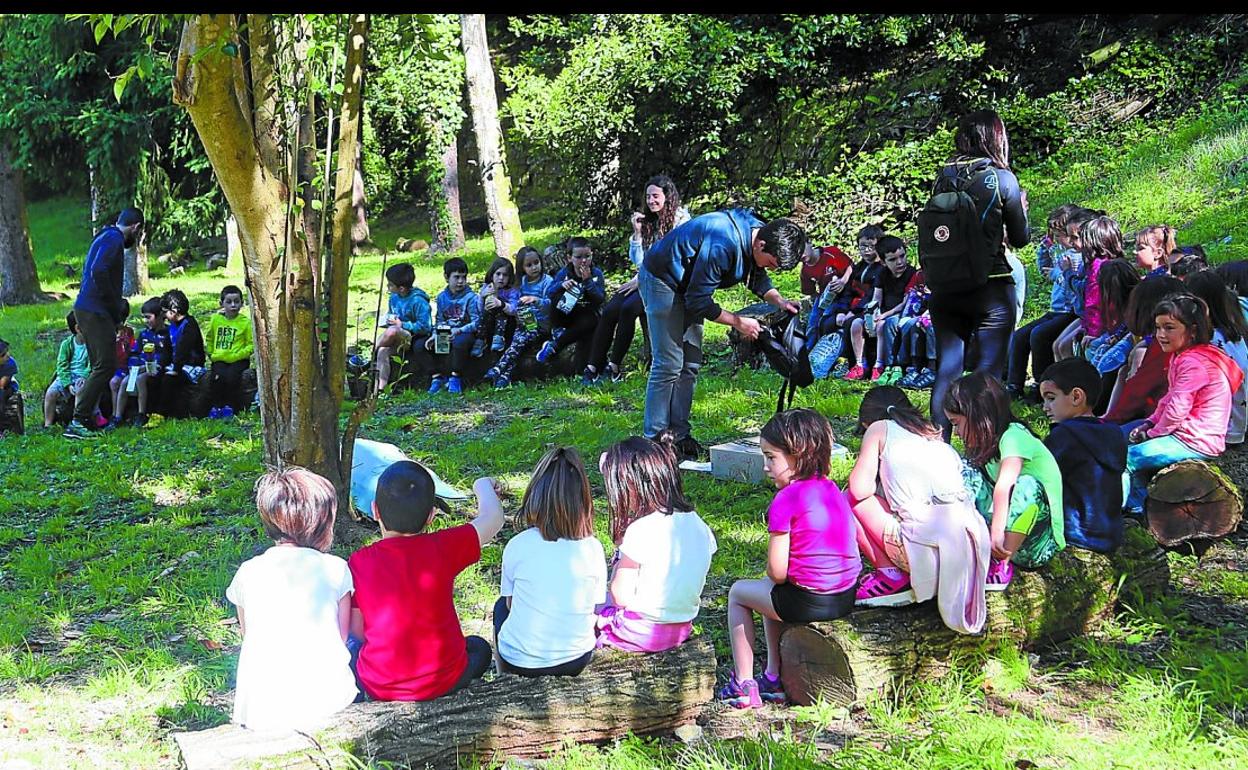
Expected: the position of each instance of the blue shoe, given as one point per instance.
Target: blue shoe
(435, 385)
(214, 413)
(546, 353)
(589, 378)
(454, 385)
(498, 343)
(227, 412)
(492, 373)
(502, 381)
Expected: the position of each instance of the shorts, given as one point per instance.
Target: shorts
(1028, 515)
(795, 604)
(894, 548)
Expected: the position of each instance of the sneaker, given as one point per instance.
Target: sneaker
(502, 381)
(498, 343)
(76, 429)
(613, 371)
(546, 353)
(856, 373)
(435, 385)
(492, 373)
(925, 380)
(879, 590)
(741, 695)
(907, 380)
(688, 448)
(1000, 573)
(100, 421)
(840, 369)
(876, 374)
(455, 384)
(771, 690)
(589, 377)
(214, 413)
(892, 376)
(227, 412)
(139, 420)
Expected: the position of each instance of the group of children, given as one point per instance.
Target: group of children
(156, 367)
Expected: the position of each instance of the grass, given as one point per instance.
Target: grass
(114, 629)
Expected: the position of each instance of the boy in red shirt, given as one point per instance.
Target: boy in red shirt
(821, 266)
(403, 607)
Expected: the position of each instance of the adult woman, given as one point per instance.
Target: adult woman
(663, 212)
(981, 166)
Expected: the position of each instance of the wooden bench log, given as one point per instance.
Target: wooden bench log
(745, 352)
(874, 649)
(1192, 500)
(511, 716)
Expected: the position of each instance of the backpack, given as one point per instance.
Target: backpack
(784, 347)
(955, 253)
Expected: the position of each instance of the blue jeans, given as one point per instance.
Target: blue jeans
(889, 332)
(1146, 458)
(913, 336)
(676, 356)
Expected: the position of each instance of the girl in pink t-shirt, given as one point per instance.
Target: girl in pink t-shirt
(812, 554)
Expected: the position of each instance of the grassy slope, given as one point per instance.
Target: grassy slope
(114, 557)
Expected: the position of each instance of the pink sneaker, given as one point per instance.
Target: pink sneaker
(1000, 573)
(879, 590)
(100, 421)
(876, 373)
(856, 373)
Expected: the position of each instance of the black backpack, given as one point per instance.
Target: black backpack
(954, 251)
(784, 347)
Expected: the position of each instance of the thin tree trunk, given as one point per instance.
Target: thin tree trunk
(135, 279)
(360, 233)
(445, 219)
(19, 280)
(97, 196)
(501, 211)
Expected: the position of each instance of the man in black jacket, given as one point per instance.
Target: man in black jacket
(99, 309)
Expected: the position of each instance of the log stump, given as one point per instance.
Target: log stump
(615, 695)
(872, 650)
(1192, 500)
(746, 352)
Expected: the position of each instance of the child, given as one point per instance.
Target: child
(8, 377)
(1074, 275)
(1142, 381)
(404, 609)
(663, 549)
(1110, 351)
(532, 317)
(499, 295)
(889, 300)
(1099, 241)
(1153, 246)
(576, 295)
(294, 601)
(812, 556)
(1230, 333)
(823, 266)
(1056, 258)
(1091, 454)
(1012, 476)
(1191, 418)
(554, 575)
(915, 330)
(1235, 274)
(919, 529)
(187, 342)
(459, 307)
(861, 288)
(229, 346)
(153, 353)
(407, 320)
(72, 368)
(117, 385)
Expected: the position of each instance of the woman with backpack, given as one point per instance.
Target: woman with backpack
(977, 207)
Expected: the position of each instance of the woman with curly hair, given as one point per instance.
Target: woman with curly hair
(661, 214)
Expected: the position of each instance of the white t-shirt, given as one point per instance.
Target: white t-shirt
(294, 670)
(675, 554)
(554, 587)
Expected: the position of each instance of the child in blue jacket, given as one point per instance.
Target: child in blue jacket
(459, 308)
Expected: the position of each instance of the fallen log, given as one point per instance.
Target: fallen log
(1192, 500)
(873, 650)
(615, 695)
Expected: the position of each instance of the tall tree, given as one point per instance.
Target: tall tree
(19, 281)
(500, 209)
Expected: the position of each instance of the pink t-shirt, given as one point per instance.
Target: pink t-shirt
(823, 547)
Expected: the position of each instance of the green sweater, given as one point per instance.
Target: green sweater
(227, 341)
(71, 361)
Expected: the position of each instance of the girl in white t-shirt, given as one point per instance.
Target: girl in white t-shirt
(663, 549)
(554, 575)
(294, 606)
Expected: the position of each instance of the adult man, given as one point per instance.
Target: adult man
(678, 279)
(98, 310)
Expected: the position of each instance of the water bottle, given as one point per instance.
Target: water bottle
(149, 357)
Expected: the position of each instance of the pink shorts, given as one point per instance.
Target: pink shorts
(629, 631)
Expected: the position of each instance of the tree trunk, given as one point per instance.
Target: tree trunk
(871, 651)
(616, 694)
(233, 248)
(1192, 500)
(135, 279)
(360, 232)
(501, 211)
(19, 280)
(246, 137)
(446, 221)
(97, 199)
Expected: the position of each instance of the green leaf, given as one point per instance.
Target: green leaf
(317, 204)
(119, 85)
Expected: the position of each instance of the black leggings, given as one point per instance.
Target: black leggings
(571, 668)
(1035, 339)
(618, 323)
(987, 313)
(226, 385)
(575, 328)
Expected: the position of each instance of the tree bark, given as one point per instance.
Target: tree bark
(1192, 500)
(501, 211)
(19, 279)
(135, 279)
(446, 221)
(360, 231)
(871, 651)
(512, 716)
(233, 248)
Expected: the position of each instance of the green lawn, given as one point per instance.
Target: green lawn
(114, 556)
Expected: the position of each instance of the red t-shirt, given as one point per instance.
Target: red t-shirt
(832, 262)
(125, 341)
(413, 644)
(1142, 390)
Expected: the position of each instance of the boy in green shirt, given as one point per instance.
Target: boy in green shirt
(228, 343)
(72, 368)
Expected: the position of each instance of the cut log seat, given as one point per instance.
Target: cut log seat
(872, 650)
(615, 695)
(1192, 501)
